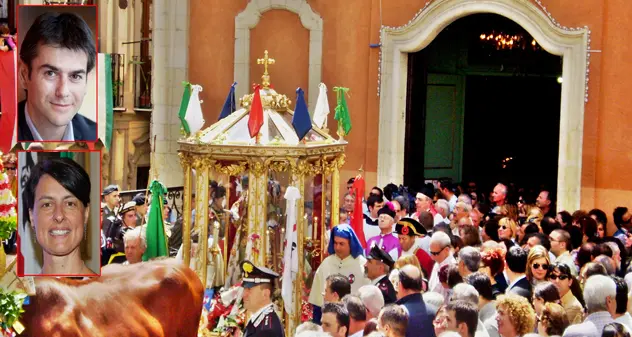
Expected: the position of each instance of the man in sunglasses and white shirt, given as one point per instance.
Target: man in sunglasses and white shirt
(441, 253)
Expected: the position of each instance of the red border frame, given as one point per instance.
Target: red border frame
(96, 68)
(20, 258)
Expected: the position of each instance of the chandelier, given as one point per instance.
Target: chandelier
(508, 41)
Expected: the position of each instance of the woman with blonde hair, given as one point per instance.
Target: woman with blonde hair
(507, 229)
(534, 214)
(515, 315)
(538, 263)
(553, 320)
(510, 211)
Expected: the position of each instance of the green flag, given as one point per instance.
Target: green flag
(342, 111)
(109, 99)
(155, 232)
(70, 155)
(186, 96)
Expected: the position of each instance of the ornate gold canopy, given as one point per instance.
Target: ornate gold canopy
(226, 149)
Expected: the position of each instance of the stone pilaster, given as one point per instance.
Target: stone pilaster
(170, 67)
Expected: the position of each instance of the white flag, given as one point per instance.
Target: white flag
(290, 254)
(322, 107)
(194, 116)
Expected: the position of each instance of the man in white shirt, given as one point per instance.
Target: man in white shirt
(441, 253)
(561, 246)
(448, 189)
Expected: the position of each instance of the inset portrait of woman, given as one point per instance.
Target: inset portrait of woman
(57, 194)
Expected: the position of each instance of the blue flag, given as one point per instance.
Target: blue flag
(301, 121)
(229, 104)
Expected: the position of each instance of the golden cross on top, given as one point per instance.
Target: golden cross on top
(265, 61)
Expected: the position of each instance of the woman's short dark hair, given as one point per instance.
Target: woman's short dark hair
(66, 172)
(64, 30)
(548, 292)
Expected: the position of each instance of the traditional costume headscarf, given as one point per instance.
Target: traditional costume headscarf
(346, 232)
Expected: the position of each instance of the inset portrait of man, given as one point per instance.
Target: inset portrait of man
(58, 198)
(57, 55)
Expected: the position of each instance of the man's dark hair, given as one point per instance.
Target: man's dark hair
(482, 284)
(490, 227)
(372, 199)
(618, 214)
(603, 249)
(544, 240)
(549, 224)
(447, 183)
(595, 268)
(403, 203)
(66, 172)
(516, 259)
(61, 30)
(355, 307)
(351, 181)
(389, 190)
(622, 295)
(566, 217)
(395, 316)
(600, 215)
(339, 284)
(342, 315)
(576, 236)
(380, 194)
(589, 226)
(465, 312)
(410, 283)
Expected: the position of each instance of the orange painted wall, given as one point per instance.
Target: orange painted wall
(351, 25)
(287, 42)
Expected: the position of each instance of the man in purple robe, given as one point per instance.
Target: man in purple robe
(386, 240)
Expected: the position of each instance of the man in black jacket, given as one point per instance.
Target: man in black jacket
(57, 54)
(258, 284)
(420, 313)
(516, 261)
(377, 268)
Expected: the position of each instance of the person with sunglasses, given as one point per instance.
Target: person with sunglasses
(537, 264)
(623, 220)
(441, 254)
(560, 275)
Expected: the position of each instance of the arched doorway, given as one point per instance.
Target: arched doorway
(570, 44)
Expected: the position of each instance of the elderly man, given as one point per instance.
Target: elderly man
(135, 245)
(469, 261)
(441, 253)
(600, 296)
(345, 257)
(385, 239)
(420, 314)
(499, 197)
(377, 269)
(373, 300)
(408, 230)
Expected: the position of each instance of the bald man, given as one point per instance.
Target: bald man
(420, 314)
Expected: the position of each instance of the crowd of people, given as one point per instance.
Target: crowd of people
(455, 263)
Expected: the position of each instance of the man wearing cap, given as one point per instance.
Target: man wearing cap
(377, 268)
(408, 230)
(345, 257)
(423, 202)
(111, 199)
(126, 221)
(258, 284)
(386, 240)
(141, 208)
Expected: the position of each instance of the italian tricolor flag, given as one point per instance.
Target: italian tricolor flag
(190, 109)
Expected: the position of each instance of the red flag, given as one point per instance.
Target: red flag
(357, 218)
(256, 114)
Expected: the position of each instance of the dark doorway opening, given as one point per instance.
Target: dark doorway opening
(483, 104)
